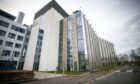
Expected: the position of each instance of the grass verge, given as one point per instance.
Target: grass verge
(68, 73)
(107, 68)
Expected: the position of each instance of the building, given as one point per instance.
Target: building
(12, 36)
(42, 51)
(80, 48)
(65, 42)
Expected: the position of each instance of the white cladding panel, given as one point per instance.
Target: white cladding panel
(28, 65)
(50, 23)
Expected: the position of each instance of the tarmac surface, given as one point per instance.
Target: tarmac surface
(127, 75)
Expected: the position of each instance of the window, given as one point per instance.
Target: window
(4, 24)
(40, 37)
(11, 35)
(20, 38)
(16, 54)
(18, 45)
(18, 29)
(79, 21)
(28, 32)
(6, 53)
(27, 40)
(40, 43)
(39, 50)
(1, 41)
(2, 33)
(41, 31)
(10, 44)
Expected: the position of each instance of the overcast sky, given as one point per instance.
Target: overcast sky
(115, 20)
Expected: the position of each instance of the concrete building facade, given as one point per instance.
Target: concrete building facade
(107, 53)
(12, 36)
(42, 52)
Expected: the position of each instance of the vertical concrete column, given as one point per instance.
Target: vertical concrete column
(100, 48)
(109, 53)
(74, 44)
(88, 43)
(113, 54)
(64, 57)
(90, 48)
(100, 53)
(105, 52)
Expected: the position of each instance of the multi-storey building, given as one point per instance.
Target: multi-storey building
(42, 51)
(79, 46)
(12, 35)
(60, 41)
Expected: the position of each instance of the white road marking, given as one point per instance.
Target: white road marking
(129, 70)
(118, 71)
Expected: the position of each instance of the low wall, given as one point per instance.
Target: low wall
(15, 75)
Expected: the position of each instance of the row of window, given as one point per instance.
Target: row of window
(8, 52)
(13, 27)
(10, 44)
(18, 29)
(4, 24)
(11, 35)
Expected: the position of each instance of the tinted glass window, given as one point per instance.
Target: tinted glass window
(18, 45)
(10, 44)
(1, 41)
(11, 35)
(28, 32)
(6, 53)
(18, 29)
(4, 24)
(41, 31)
(20, 38)
(79, 21)
(40, 37)
(2, 33)
(16, 54)
(27, 40)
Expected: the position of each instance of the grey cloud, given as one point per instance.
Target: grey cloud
(131, 34)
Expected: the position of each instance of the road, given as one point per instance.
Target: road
(127, 75)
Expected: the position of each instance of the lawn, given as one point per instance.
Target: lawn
(107, 68)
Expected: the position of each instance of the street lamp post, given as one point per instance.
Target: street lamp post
(63, 71)
(46, 74)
